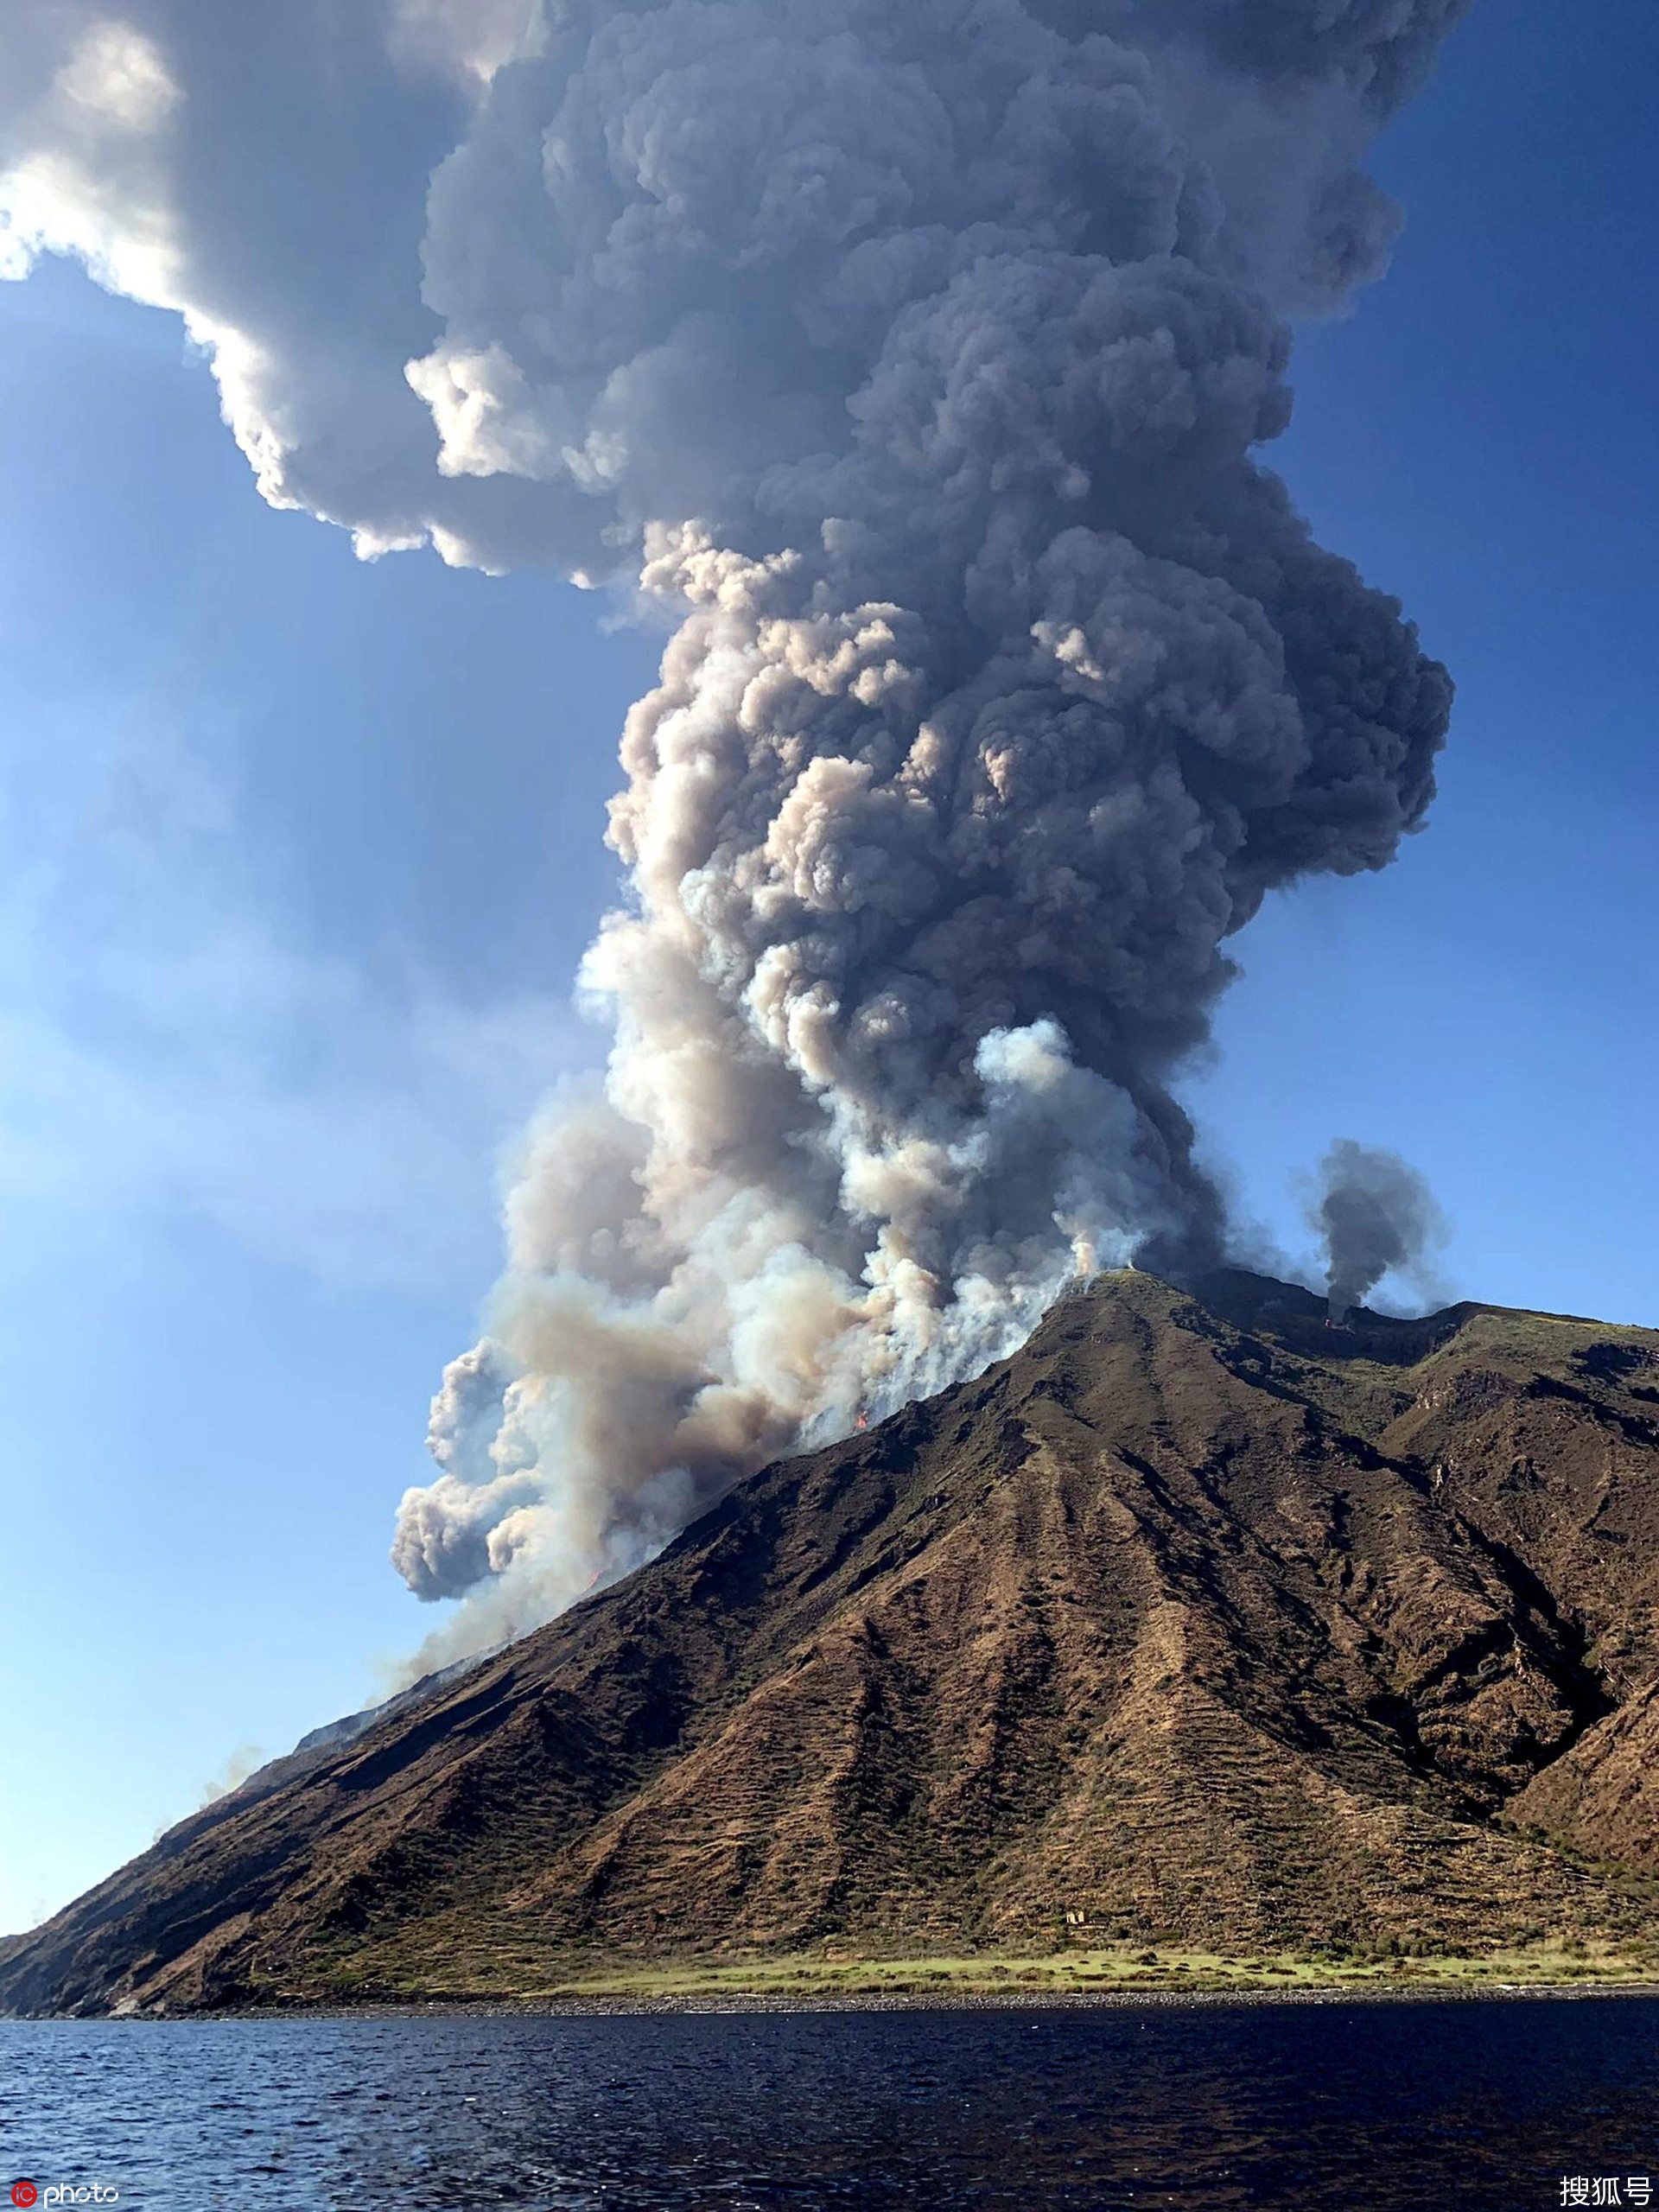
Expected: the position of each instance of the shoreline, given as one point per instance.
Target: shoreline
(735, 2003)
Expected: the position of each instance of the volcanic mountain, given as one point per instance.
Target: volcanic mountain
(1196, 1617)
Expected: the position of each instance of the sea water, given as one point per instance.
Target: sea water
(1507, 2106)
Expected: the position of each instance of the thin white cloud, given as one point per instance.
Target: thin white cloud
(469, 39)
(167, 1042)
(116, 75)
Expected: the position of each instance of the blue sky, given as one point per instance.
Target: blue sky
(300, 854)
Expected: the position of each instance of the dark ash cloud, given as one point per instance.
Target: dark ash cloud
(1376, 1216)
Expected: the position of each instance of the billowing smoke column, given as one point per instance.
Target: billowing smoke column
(922, 351)
(1008, 686)
(1376, 1216)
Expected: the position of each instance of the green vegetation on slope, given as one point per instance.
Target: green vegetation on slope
(821, 1980)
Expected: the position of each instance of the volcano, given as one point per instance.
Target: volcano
(1196, 1621)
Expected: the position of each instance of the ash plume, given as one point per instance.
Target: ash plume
(1376, 1216)
(917, 359)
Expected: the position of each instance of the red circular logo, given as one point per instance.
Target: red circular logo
(23, 2192)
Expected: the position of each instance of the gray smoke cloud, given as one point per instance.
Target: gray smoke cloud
(917, 360)
(1376, 1216)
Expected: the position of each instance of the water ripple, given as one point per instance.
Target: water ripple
(1387, 2107)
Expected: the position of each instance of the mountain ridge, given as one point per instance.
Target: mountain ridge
(1196, 1619)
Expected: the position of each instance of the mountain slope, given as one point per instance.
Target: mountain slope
(1195, 1617)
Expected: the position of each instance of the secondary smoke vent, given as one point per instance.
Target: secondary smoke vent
(1376, 1216)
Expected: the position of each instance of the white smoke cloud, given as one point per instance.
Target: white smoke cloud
(917, 358)
(245, 1758)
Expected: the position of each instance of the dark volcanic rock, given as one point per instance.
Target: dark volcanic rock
(1195, 1616)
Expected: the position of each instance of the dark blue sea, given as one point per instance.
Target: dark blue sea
(1495, 2105)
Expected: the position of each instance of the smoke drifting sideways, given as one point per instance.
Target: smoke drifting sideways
(1376, 1216)
(917, 359)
